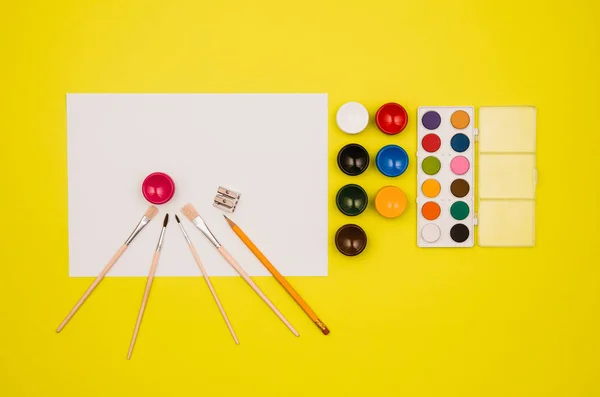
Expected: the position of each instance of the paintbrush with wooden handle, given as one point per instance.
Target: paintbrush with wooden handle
(148, 285)
(150, 213)
(190, 212)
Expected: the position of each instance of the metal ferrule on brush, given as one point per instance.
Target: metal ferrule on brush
(201, 225)
(187, 238)
(160, 239)
(143, 222)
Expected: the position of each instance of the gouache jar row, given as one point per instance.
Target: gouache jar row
(353, 117)
(391, 160)
(352, 200)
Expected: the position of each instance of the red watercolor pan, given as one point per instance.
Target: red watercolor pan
(158, 188)
(431, 143)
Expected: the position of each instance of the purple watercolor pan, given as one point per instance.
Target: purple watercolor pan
(431, 120)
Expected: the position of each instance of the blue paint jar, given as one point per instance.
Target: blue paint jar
(392, 160)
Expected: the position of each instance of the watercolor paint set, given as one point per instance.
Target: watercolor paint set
(476, 180)
(476, 175)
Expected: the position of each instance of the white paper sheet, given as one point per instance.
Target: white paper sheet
(272, 148)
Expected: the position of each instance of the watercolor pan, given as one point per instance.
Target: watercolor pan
(501, 152)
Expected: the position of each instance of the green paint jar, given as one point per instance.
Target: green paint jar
(351, 200)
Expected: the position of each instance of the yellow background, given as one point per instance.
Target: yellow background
(404, 321)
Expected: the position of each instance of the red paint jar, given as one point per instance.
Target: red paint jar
(391, 118)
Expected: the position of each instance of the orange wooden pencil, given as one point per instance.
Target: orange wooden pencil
(284, 283)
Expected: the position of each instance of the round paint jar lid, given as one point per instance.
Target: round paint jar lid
(351, 200)
(392, 160)
(390, 202)
(391, 118)
(352, 117)
(353, 159)
(158, 188)
(350, 240)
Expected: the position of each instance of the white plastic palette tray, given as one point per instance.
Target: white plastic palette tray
(502, 153)
(265, 146)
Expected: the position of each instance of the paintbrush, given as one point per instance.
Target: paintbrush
(150, 213)
(207, 279)
(148, 285)
(284, 283)
(190, 212)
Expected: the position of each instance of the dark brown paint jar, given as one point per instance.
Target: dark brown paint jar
(350, 240)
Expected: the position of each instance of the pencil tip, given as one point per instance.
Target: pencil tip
(228, 220)
(177, 219)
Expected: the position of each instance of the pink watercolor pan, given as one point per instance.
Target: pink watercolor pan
(158, 188)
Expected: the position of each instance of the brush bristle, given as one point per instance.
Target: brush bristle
(190, 212)
(151, 212)
(177, 219)
(166, 221)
